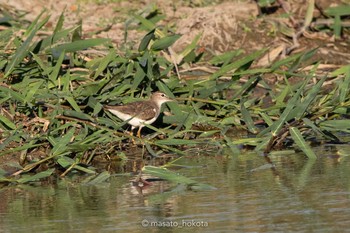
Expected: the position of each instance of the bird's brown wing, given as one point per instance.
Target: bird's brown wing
(139, 109)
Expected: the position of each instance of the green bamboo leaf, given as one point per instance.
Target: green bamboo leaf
(38, 176)
(56, 69)
(73, 103)
(78, 115)
(337, 26)
(21, 148)
(280, 99)
(23, 50)
(34, 24)
(341, 70)
(225, 58)
(301, 143)
(129, 69)
(104, 63)
(302, 107)
(149, 63)
(285, 29)
(300, 60)
(336, 125)
(277, 125)
(60, 144)
(309, 13)
(14, 95)
(32, 90)
(94, 104)
(164, 42)
(4, 179)
(252, 71)
(64, 82)
(286, 61)
(189, 48)
(78, 45)
(164, 88)
(248, 119)
(138, 77)
(64, 161)
(110, 123)
(58, 130)
(83, 169)
(267, 119)
(46, 42)
(210, 133)
(78, 32)
(345, 86)
(58, 27)
(250, 83)
(150, 150)
(317, 130)
(265, 3)
(46, 69)
(9, 124)
(92, 88)
(341, 10)
(5, 36)
(145, 22)
(237, 64)
(146, 40)
(69, 163)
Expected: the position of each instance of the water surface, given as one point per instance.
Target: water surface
(285, 193)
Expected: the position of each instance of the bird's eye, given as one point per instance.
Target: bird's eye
(163, 95)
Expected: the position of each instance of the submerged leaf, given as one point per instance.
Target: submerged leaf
(37, 176)
(301, 143)
(176, 178)
(100, 178)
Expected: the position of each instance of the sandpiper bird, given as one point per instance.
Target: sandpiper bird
(139, 113)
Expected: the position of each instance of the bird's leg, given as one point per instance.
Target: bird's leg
(139, 132)
(132, 135)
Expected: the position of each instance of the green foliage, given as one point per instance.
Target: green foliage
(336, 13)
(53, 99)
(265, 3)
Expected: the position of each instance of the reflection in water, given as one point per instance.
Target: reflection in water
(254, 194)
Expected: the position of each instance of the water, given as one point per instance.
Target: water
(286, 194)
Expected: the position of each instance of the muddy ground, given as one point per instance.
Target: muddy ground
(224, 25)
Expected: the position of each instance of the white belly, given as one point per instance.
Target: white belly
(134, 121)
